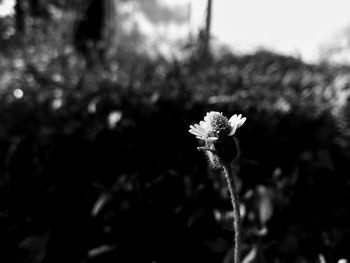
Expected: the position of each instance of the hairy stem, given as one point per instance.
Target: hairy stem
(228, 172)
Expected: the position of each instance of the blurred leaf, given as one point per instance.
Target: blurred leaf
(265, 203)
(250, 257)
(100, 203)
(113, 119)
(217, 245)
(98, 251)
(321, 259)
(36, 246)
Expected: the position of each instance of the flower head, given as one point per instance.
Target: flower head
(217, 131)
(215, 125)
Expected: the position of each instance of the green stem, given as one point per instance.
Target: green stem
(228, 172)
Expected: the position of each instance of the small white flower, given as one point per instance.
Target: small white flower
(215, 125)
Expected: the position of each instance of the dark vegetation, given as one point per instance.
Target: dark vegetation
(97, 164)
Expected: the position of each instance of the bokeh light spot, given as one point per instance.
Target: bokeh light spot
(18, 93)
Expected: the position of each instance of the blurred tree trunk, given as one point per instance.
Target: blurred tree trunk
(110, 22)
(95, 30)
(204, 51)
(207, 27)
(20, 13)
(26, 8)
(38, 8)
(89, 27)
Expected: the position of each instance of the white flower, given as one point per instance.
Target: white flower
(216, 125)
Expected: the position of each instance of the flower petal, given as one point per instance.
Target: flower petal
(197, 130)
(200, 129)
(194, 132)
(233, 131)
(241, 122)
(236, 121)
(204, 124)
(233, 119)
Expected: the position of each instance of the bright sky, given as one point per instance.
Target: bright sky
(296, 27)
(6, 7)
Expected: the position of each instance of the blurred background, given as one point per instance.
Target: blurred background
(96, 99)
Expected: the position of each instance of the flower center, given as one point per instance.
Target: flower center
(219, 124)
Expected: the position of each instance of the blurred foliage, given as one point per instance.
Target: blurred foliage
(97, 164)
